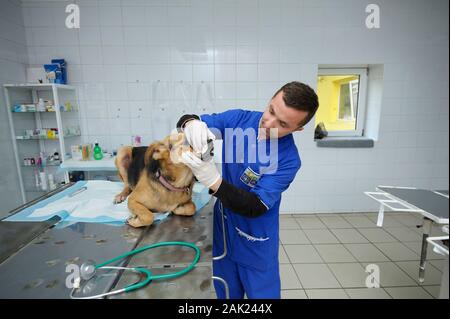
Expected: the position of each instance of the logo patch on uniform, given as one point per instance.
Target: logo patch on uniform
(249, 177)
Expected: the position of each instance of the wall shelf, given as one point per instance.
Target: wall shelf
(65, 120)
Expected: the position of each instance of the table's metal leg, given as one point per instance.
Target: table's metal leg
(380, 216)
(443, 294)
(426, 228)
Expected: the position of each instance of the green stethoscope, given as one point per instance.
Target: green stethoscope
(87, 269)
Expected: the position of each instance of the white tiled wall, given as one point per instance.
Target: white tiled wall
(245, 50)
(13, 59)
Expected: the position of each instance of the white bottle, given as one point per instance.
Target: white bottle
(41, 105)
(51, 182)
(56, 155)
(36, 177)
(44, 184)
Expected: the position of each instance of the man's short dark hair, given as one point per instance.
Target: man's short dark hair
(300, 97)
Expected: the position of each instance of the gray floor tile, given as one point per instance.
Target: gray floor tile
(367, 293)
(366, 252)
(438, 264)
(331, 253)
(293, 236)
(377, 235)
(301, 215)
(371, 215)
(360, 221)
(326, 293)
(293, 294)
(282, 257)
(310, 222)
(432, 275)
(302, 254)
(433, 290)
(345, 215)
(349, 236)
(417, 247)
(403, 233)
(408, 293)
(316, 276)
(321, 236)
(397, 251)
(349, 275)
(317, 262)
(392, 276)
(388, 220)
(409, 219)
(288, 222)
(289, 279)
(335, 222)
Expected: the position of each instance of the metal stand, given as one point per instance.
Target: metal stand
(426, 228)
(215, 258)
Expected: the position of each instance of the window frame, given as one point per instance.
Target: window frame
(362, 98)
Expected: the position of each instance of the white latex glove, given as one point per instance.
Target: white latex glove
(197, 135)
(205, 171)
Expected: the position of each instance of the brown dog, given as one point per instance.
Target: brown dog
(155, 180)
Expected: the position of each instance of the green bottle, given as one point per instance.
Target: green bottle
(98, 154)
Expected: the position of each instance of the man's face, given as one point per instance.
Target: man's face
(283, 118)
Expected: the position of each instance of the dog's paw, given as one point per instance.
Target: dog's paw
(134, 221)
(119, 198)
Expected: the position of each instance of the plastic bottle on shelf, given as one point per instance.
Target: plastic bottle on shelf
(56, 156)
(36, 178)
(98, 154)
(41, 105)
(137, 140)
(43, 178)
(51, 182)
(43, 159)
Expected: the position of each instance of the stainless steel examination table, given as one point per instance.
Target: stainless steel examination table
(34, 257)
(433, 205)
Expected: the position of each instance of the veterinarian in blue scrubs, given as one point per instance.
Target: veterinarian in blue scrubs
(259, 162)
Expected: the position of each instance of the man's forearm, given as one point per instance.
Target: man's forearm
(239, 200)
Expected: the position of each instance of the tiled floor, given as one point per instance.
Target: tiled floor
(326, 255)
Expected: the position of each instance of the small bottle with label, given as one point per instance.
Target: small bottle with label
(51, 182)
(98, 154)
(43, 159)
(56, 157)
(41, 105)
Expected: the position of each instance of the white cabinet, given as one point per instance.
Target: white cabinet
(37, 133)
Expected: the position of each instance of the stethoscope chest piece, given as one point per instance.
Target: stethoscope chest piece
(87, 269)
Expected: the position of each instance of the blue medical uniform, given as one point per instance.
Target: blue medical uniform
(251, 264)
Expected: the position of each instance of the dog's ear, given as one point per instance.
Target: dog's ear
(151, 164)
